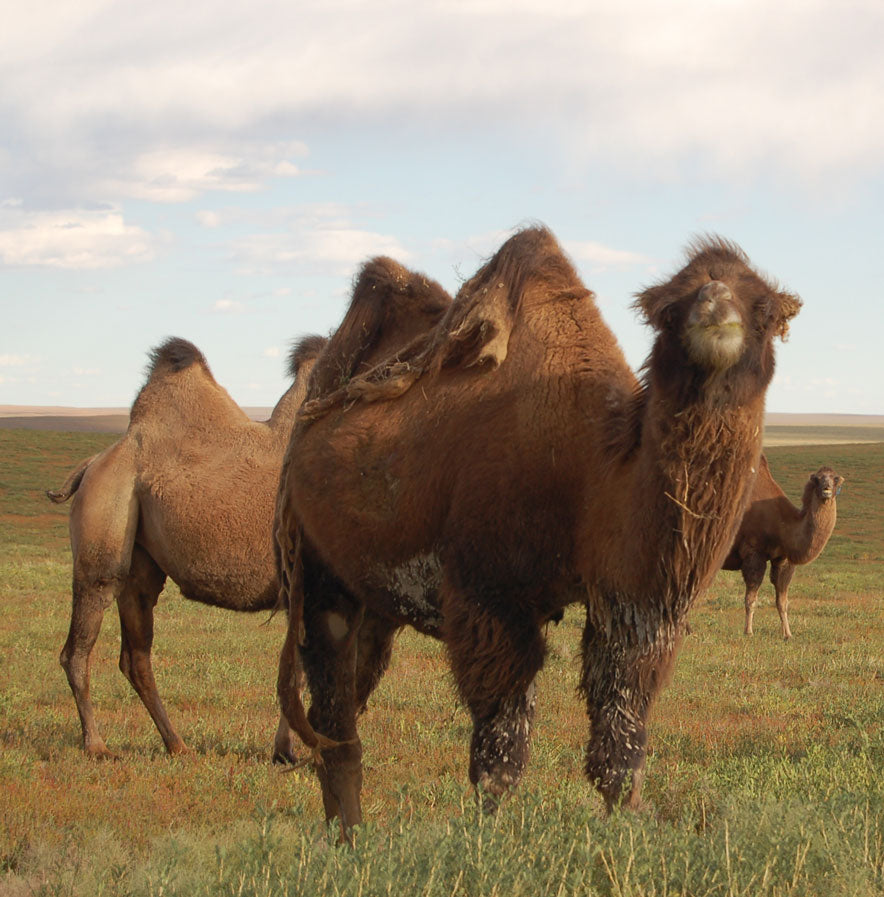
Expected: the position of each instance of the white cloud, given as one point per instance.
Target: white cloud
(72, 239)
(181, 173)
(86, 372)
(602, 257)
(229, 306)
(210, 220)
(732, 87)
(319, 238)
(8, 361)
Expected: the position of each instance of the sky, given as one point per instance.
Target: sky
(219, 171)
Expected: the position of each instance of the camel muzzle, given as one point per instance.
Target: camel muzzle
(714, 334)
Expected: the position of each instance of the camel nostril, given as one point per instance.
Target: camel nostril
(714, 292)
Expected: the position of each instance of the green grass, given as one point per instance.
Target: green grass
(765, 776)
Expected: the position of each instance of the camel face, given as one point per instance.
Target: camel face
(718, 316)
(714, 335)
(827, 483)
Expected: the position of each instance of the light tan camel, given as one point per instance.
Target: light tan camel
(188, 492)
(774, 530)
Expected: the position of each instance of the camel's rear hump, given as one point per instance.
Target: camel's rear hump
(391, 305)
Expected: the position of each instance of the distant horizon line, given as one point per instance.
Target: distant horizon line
(83, 410)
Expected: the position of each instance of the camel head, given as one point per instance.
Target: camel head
(826, 484)
(717, 316)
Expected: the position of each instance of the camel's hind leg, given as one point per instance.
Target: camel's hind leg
(753, 575)
(494, 661)
(781, 573)
(136, 602)
(103, 519)
(345, 653)
(90, 601)
(283, 743)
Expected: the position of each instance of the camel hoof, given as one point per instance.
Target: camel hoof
(177, 749)
(284, 757)
(102, 754)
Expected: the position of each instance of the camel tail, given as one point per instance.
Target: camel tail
(290, 681)
(71, 484)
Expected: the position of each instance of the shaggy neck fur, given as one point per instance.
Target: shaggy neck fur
(685, 482)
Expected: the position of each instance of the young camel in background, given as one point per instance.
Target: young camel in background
(774, 530)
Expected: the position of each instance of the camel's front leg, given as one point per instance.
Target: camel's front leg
(494, 661)
(622, 674)
(500, 745)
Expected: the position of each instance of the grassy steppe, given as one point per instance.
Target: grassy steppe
(765, 777)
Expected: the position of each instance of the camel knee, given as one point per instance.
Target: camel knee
(76, 667)
(338, 626)
(136, 667)
(126, 664)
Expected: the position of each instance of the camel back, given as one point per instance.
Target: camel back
(474, 331)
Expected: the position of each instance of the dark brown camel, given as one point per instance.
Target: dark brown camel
(188, 492)
(774, 530)
(504, 465)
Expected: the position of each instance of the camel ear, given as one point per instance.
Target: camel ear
(656, 304)
(839, 482)
(779, 309)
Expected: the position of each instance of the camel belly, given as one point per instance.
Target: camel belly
(409, 591)
(214, 561)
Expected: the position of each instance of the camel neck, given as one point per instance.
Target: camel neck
(808, 537)
(283, 415)
(695, 467)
